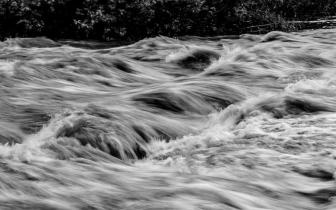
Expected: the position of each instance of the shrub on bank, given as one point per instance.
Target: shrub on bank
(136, 19)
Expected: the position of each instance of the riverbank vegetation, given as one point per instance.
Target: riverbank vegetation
(107, 20)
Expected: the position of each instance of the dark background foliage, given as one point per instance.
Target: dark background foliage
(107, 20)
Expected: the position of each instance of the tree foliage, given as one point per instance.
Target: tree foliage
(122, 19)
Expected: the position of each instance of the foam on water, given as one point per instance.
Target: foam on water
(196, 123)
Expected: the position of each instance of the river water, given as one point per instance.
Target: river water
(196, 123)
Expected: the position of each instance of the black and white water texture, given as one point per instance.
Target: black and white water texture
(192, 123)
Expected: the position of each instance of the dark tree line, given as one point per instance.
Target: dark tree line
(136, 19)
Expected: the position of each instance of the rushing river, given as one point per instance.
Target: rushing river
(196, 123)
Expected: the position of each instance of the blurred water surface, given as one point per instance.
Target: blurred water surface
(196, 123)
